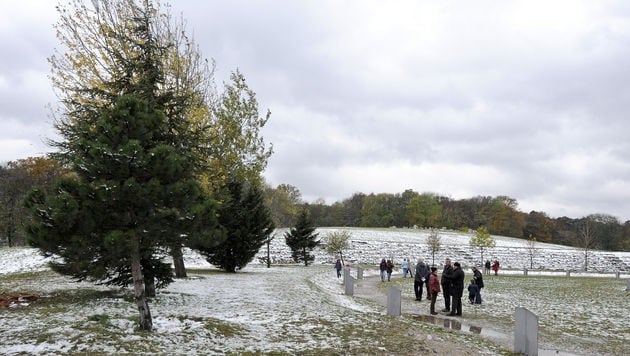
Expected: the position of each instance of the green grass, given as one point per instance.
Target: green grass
(588, 314)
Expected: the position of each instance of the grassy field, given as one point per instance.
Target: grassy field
(585, 315)
(297, 310)
(265, 316)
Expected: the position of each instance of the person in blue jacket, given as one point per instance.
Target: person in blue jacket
(473, 293)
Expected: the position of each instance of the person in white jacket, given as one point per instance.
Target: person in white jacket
(405, 267)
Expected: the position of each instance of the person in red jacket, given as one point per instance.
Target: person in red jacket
(495, 267)
(434, 287)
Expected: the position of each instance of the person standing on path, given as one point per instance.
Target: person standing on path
(405, 267)
(390, 269)
(487, 267)
(434, 288)
(383, 268)
(422, 272)
(447, 274)
(338, 267)
(457, 289)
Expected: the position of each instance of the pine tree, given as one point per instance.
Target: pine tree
(247, 225)
(126, 61)
(112, 221)
(104, 53)
(302, 239)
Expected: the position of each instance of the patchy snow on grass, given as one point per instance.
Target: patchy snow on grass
(293, 309)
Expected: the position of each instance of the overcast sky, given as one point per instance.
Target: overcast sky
(529, 99)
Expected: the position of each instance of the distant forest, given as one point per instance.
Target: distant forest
(498, 214)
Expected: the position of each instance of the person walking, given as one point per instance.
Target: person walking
(390, 269)
(383, 268)
(457, 289)
(405, 267)
(445, 281)
(338, 267)
(422, 272)
(434, 288)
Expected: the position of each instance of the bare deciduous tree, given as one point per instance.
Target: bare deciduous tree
(586, 238)
(434, 241)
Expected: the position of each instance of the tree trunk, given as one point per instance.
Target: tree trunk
(146, 323)
(149, 286)
(178, 262)
(585, 259)
(268, 254)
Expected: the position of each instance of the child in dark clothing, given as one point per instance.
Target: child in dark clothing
(473, 293)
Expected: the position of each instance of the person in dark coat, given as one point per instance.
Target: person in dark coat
(338, 267)
(487, 267)
(422, 273)
(383, 268)
(457, 289)
(390, 269)
(445, 281)
(478, 278)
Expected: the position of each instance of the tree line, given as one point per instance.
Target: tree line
(499, 215)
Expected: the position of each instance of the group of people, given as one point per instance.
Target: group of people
(451, 283)
(494, 266)
(386, 268)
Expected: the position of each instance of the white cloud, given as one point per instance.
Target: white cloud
(522, 98)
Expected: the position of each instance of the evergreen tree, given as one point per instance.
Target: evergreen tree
(106, 46)
(302, 239)
(247, 225)
(132, 188)
(133, 97)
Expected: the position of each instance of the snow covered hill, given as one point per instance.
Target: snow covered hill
(369, 246)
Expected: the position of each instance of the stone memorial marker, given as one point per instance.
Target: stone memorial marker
(628, 287)
(359, 273)
(393, 301)
(525, 332)
(348, 282)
